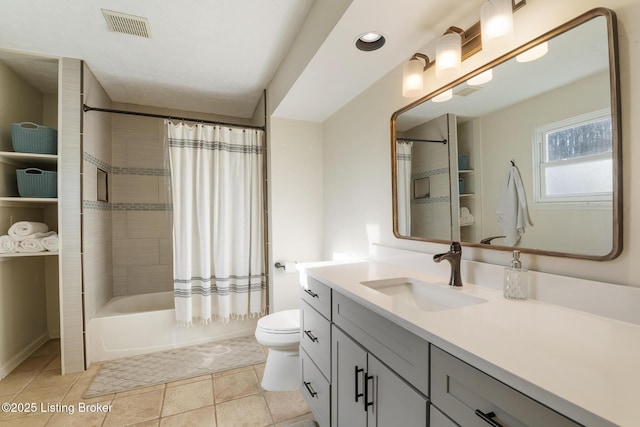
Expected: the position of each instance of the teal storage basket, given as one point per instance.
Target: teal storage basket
(34, 182)
(28, 137)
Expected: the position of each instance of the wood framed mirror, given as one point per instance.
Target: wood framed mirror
(545, 133)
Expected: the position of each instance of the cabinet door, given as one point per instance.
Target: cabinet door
(349, 367)
(395, 403)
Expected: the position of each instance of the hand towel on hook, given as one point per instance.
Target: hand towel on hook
(513, 212)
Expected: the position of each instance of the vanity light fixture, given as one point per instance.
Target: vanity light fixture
(481, 78)
(444, 96)
(449, 53)
(370, 41)
(534, 53)
(472, 40)
(496, 22)
(412, 75)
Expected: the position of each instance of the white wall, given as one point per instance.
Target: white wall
(295, 198)
(357, 164)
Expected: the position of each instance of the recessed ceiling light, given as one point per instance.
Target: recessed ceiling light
(370, 41)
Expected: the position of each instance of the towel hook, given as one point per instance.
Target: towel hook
(513, 163)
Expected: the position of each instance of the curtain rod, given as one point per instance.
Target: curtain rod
(86, 108)
(440, 141)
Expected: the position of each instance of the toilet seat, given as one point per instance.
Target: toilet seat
(281, 322)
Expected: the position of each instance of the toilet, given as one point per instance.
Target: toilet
(280, 332)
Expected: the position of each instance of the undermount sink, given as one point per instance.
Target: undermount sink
(422, 295)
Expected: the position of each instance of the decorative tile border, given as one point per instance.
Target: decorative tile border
(97, 162)
(103, 206)
(433, 172)
(141, 206)
(140, 171)
(441, 199)
(95, 205)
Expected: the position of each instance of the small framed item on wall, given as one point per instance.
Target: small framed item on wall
(421, 188)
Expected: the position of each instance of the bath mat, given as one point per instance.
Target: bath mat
(173, 365)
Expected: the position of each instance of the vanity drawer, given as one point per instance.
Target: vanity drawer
(315, 389)
(466, 394)
(318, 296)
(316, 337)
(405, 353)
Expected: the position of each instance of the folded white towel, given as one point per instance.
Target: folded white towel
(467, 219)
(31, 245)
(50, 243)
(7, 245)
(24, 229)
(464, 211)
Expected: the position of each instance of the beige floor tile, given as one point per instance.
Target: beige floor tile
(92, 370)
(56, 363)
(236, 385)
(43, 394)
(250, 411)
(79, 416)
(53, 378)
(157, 387)
(231, 371)
(9, 416)
(135, 409)
(74, 395)
(189, 380)
(15, 382)
(50, 347)
(36, 364)
(259, 371)
(285, 405)
(308, 416)
(203, 417)
(36, 420)
(152, 423)
(187, 397)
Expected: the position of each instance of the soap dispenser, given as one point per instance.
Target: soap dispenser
(516, 279)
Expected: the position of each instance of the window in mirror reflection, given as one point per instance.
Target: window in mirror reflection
(574, 159)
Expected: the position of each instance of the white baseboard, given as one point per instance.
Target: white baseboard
(54, 334)
(7, 367)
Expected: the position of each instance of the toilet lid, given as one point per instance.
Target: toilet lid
(281, 322)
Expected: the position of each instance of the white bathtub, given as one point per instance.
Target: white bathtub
(145, 323)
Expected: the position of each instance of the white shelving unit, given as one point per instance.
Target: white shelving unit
(28, 160)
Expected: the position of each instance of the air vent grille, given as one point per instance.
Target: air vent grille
(127, 24)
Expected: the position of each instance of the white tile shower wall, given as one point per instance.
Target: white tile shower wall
(142, 258)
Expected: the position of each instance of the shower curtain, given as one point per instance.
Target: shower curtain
(218, 223)
(403, 159)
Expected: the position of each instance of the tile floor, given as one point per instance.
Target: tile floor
(226, 399)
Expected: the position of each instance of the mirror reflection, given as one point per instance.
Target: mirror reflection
(524, 154)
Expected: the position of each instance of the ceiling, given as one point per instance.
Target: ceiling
(217, 56)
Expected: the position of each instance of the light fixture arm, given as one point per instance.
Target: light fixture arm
(471, 38)
(425, 58)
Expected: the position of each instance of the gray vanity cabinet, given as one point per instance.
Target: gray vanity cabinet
(365, 392)
(474, 399)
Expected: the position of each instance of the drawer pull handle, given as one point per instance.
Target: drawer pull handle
(310, 335)
(488, 417)
(358, 394)
(310, 292)
(366, 392)
(311, 391)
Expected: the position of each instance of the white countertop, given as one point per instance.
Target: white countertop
(582, 365)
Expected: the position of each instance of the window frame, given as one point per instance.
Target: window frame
(595, 199)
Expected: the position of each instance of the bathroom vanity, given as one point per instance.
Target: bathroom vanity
(384, 345)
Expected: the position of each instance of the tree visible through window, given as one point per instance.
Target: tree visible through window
(574, 160)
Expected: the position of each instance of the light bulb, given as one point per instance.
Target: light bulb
(448, 55)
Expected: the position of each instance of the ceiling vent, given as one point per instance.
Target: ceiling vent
(466, 90)
(127, 24)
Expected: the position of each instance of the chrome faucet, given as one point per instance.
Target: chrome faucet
(454, 257)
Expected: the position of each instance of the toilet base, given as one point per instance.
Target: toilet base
(282, 372)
